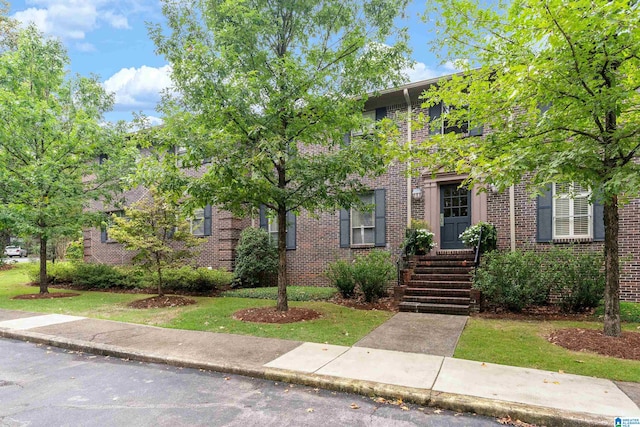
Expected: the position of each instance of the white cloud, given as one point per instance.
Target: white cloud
(420, 71)
(72, 19)
(85, 47)
(138, 87)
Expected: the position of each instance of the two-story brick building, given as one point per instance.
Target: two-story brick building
(313, 242)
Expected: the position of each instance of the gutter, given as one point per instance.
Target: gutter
(409, 137)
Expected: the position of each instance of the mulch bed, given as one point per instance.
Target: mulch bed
(50, 295)
(271, 315)
(358, 302)
(626, 346)
(162, 302)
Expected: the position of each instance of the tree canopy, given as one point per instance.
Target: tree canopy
(269, 92)
(555, 84)
(52, 136)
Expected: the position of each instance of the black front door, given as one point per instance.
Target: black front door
(455, 215)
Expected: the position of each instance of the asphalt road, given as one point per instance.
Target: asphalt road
(45, 386)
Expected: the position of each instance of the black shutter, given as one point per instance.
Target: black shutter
(381, 220)
(264, 224)
(435, 112)
(476, 131)
(103, 235)
(346, 139)
(544, 224)
(345, 229)
(291, 230)
(381, 113)
(207, 220)
(598, 220)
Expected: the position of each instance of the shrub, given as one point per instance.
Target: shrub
(578, 279)
(100, 276)
(372, 272)
(514, 280)
(418, 241)
(189, 279)
(75, 250)
(256, 258)
(340, 274)
(471, 235)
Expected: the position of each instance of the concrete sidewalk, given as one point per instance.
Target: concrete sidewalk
(539, 397)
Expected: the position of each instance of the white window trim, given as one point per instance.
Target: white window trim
(368, 128)
(272, 228)
(193, 228)
(571, 198)
(363, 227)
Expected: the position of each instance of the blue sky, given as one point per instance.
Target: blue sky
(109, 38)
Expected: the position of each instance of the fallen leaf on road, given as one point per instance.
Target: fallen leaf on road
(560, 371)
(437, 411)
(227, 378)
(354, 406)
(484, 365)
(404, 408)
(310, 410)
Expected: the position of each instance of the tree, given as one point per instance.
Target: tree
(268, 90)
(557, 85)
(156, 228)
(51, 136)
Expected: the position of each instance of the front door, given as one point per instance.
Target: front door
(455, 215)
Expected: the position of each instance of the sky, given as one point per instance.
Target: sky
(109, 38)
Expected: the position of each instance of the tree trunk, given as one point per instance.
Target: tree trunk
(44, 288)
(612, 269)
(283, 304)
(160, 293)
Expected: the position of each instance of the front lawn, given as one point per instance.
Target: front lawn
(523, 343)
(338, 325)
(294, 293)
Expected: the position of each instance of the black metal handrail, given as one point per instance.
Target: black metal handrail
(476, 260)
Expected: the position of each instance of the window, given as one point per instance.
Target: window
(367, 227)
(370, 117)
(572, 212)
(438, 125)
(270, 224)
(104, 233)
(197, 222)
(272, 228)
(363, 223)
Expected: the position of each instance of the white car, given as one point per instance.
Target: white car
(12, 251)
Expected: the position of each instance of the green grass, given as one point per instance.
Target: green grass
(294, 293)
(338, 325)
(523, 343)
(629, 312)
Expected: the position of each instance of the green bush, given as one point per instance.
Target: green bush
(294, 293)
(373, 272)
(512, 280)
(101, 276)
(489, 240)
(256, 258)
(59, 272)
(189, 279)
(578, 279)
(340, 274)
(75, 250)
(515, 280)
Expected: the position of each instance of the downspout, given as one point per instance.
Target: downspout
(408, 100)
(512, 217)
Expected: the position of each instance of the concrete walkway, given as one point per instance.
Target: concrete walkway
(539, 397)
(436, 334)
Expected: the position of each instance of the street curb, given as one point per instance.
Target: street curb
(455, 402)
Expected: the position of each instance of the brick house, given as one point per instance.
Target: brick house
(313, 242)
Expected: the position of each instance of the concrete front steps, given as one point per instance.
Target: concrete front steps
(440, 283)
